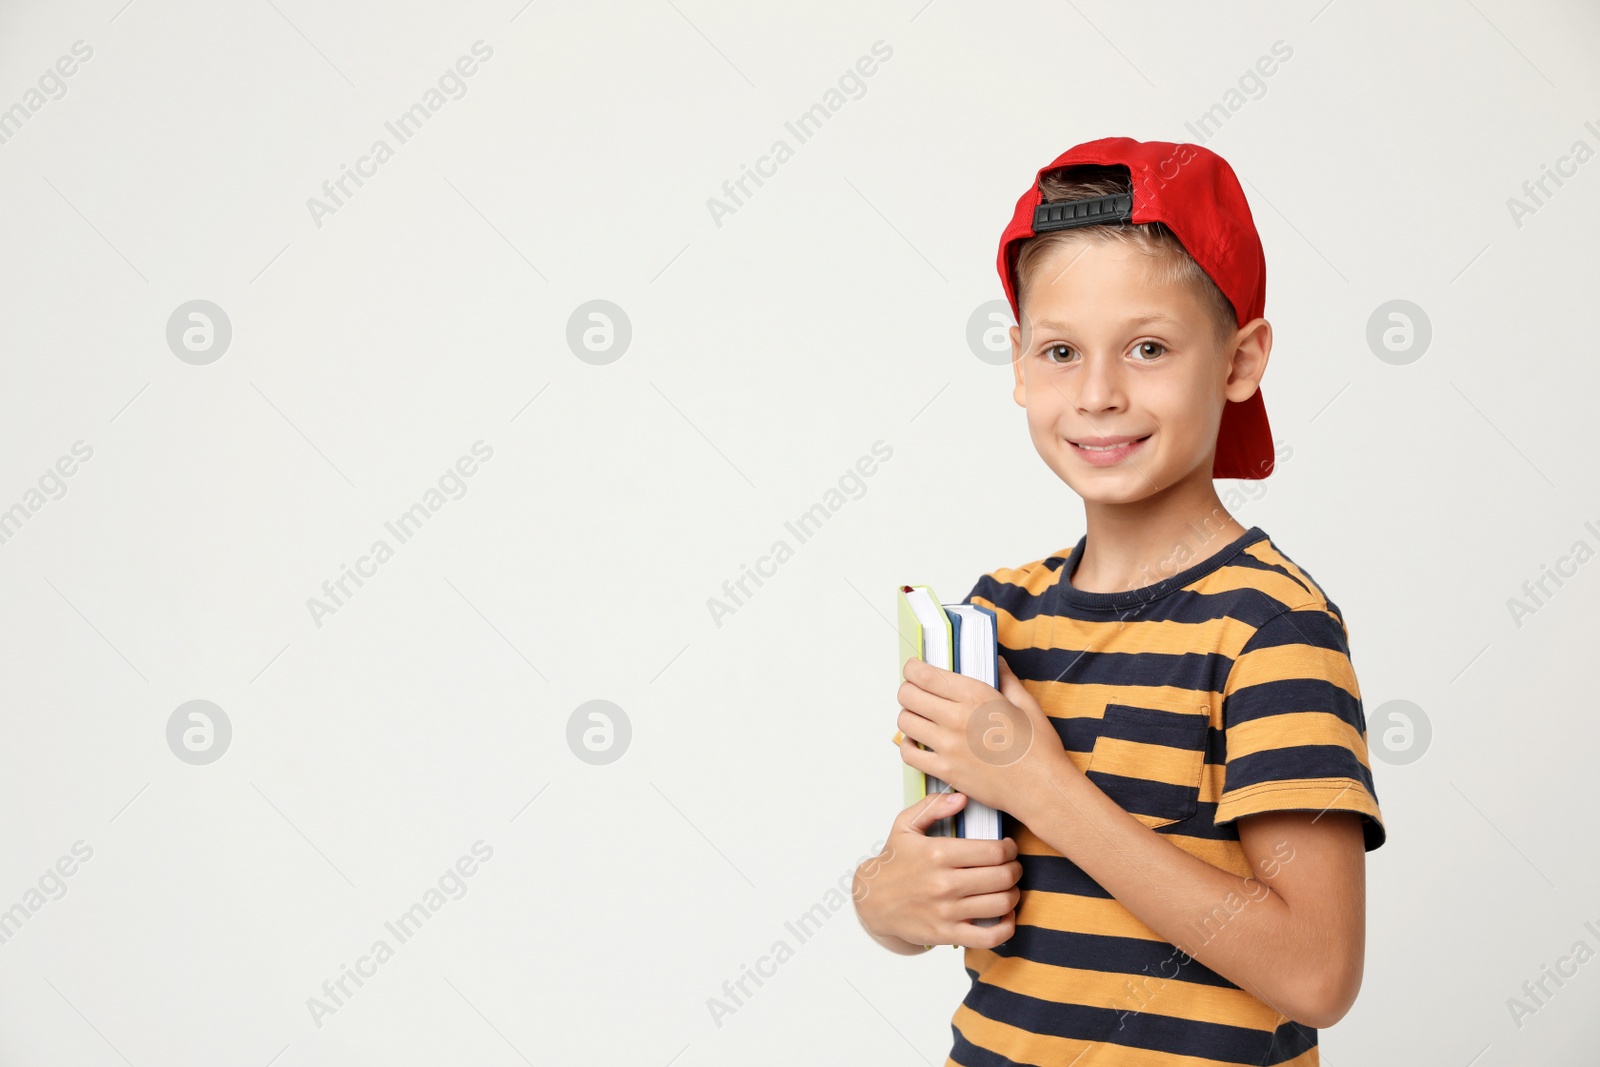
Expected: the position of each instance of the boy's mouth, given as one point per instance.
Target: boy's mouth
(1105, 451)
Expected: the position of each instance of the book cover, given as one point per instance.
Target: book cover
(925, 634)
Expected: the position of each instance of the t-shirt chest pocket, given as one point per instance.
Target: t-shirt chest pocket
(1151, 760)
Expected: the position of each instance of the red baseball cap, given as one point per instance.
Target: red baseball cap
(1196, 194)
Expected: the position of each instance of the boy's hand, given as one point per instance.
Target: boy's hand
(991, 744)
(927, 890)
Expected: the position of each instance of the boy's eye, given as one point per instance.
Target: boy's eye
(1145, 351)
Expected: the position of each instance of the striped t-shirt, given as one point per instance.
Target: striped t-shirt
(1223, 690)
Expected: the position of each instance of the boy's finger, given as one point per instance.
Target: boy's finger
(931, 808)
(936, 680)
(1012, 689)
(1009, 683)
(978, 852)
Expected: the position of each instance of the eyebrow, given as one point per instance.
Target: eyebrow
(1141, 320)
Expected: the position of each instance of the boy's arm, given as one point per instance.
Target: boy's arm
(1294, 936)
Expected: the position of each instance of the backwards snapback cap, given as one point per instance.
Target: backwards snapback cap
(1194, 192)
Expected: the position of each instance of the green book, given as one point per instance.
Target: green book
(925, 634)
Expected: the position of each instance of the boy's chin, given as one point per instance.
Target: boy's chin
(1124, 486)
(1115, 490)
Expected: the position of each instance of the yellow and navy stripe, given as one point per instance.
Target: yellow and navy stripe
(1224, 690)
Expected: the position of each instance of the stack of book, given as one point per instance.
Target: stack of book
(960, 638)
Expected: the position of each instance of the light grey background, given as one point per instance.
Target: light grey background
(768, 354)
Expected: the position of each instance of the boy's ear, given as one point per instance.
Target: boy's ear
(1247, 362)
(1020, 392)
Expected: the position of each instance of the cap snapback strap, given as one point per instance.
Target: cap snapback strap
(1066, 214)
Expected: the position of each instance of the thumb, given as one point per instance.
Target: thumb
(1012, 689)
(925, 812)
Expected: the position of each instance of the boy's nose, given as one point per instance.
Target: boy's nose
(1100, 384)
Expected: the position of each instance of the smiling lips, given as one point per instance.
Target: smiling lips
(1107, 451)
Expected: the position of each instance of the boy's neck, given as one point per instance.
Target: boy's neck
(1131, 546)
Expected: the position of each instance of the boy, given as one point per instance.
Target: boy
(1178, 745)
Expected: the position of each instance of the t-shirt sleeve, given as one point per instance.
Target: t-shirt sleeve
(1295, 733)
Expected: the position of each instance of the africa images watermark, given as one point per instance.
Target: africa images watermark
(336, 192)
(1207, 930)
(337, 591)
(52, 885)
(1536, 192)
(735, 991)
(1536, 592)
(52, 85)
(803, 528)
(737, 191)
(337, 991)
(1536, 992)
(1251, 86)
(52, 485)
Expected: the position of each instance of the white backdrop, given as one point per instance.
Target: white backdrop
(580, 488)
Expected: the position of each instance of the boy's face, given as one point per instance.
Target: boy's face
(1106, 349)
